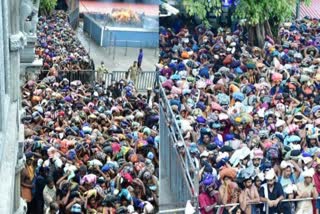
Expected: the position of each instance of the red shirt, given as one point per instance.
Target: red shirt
(206, 200)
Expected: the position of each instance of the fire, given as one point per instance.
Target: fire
(125, 16)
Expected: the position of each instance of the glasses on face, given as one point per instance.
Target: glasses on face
(269, 180)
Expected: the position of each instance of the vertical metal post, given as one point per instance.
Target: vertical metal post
(114, 47)
(126, 48)
(267, 208)
(298, 9)
(90, 37)
(110, 42)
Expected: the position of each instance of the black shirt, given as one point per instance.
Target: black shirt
(276, 193)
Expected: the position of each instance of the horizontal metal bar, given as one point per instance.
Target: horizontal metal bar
(256, 203)
(236, 204)
(172, 210)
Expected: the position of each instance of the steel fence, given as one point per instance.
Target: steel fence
(179, 171)
(85, 76)
(145, 79)
(181, 210)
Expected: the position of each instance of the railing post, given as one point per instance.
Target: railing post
(114, 48)
(267, 208)
(110, 42)
(126, 48)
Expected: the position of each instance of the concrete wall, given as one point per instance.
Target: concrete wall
(92, 28)
(137, 39)
(120, 37)
(11, 130)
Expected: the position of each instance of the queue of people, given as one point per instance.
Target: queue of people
(89, 148)
(249, 116)
(58, 46)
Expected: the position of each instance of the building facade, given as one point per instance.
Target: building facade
(18, 19)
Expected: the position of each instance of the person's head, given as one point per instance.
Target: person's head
(308, 180)
(227, 180)
(50, 182)
(257, 182)
(92, 201)
(54, 207)
(247, 183)
(206, 138)
(270, 177)
(270, 181)
(270, 119)
(318, 168)
(308, 175)
(83, 170)
(256, 161)
(287, 172)
(29, 161)
(210, 190)
(245, 160)
(238, 210)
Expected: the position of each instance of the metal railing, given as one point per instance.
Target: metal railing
(85, 76)
(180, 171)
(179, 210)
(145, 79)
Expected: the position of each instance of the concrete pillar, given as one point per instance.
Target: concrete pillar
(2, 76)
(6, 54)
(17, 41)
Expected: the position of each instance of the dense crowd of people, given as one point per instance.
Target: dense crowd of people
(249, 116)
(58, 46)
(89, 148)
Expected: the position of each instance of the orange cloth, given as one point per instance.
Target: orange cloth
(228, 172)
(185, 55)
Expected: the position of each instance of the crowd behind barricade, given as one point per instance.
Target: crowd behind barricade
(89, 148)
(250, 117)
(58, 45)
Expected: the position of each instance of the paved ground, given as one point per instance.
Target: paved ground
(119, 59)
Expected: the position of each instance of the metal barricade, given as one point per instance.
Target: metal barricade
(145, 79)
(178, 170)
(232, 206)
(85, 76)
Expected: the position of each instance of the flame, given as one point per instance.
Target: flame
(125, 16)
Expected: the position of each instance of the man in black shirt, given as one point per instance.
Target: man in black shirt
(271, 193)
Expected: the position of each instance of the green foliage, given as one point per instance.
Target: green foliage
(201, 8)
(47, 6)
(259, 11)
(251, 10)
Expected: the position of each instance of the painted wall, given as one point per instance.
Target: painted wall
(131, 38)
